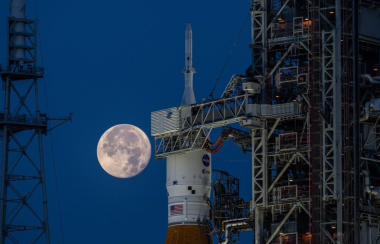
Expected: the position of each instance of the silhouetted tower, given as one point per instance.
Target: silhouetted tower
(23, 202)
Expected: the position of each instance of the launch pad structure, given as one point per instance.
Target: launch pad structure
(308, 110)
(23, 202)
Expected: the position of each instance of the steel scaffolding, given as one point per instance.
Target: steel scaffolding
(23, 202)
(310, 101)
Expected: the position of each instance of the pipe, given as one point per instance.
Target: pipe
(259, 215)
(229, 226)
(367, 186)
(371, 79)
(368, 105)
(370, 159)
(233, 220)
(369, 230)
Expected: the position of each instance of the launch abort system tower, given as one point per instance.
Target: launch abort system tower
(308, 109)
(188, 178)
(23, 202)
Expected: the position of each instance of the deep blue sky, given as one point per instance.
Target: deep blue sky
(114, 62)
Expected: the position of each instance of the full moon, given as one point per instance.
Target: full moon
(124, 151)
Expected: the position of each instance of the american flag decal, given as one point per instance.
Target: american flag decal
(176, 209)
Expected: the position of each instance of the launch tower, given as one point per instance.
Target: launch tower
(23, 202)
(308, 109)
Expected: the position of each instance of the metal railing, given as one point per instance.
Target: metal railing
(22, 118)
(287, 29)
(25, 69)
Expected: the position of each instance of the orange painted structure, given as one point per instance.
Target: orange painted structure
(187, 234)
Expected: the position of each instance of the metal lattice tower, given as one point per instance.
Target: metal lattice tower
(310, 101)
(23, 203)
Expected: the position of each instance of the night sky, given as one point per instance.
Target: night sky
(114, 62)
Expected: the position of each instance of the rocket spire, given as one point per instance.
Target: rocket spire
(188, 71)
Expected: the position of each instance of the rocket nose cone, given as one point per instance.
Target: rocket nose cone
(188, 27)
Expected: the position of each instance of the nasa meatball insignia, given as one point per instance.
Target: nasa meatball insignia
(206, 160)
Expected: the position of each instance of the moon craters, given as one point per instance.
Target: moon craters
(124, 151)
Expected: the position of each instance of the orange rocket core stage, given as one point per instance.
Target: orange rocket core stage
(186, 234)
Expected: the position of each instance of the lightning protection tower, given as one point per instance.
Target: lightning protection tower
(23, 202)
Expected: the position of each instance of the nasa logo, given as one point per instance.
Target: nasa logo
(205, 171)
(206, 160)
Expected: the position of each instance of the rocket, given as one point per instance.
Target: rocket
(188, 178)
(188, 71)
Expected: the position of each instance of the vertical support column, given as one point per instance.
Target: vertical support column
(259, 142)
(256, 173)
(337, 120)
(332, 125)
(317, 123)
(259, 36)
(328, 106)
(356, 124)
(259, 179)
(42, 165)
(259, 149)
(4, 174)
(43, 185)
(4, 186)
(264, 141)
(259, 217)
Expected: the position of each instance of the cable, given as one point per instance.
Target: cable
(228, 57)
(51, 134)
(56, 186)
